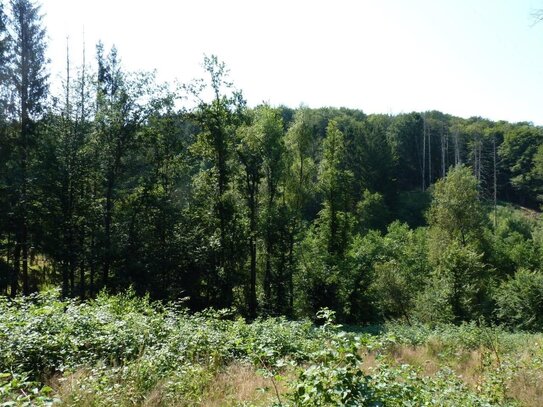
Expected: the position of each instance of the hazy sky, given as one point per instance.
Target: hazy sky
(464, 57)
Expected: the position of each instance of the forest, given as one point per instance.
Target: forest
(271, 210)
(121, 193)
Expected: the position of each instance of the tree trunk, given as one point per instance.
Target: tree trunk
(423, 153)
(82, 287)
(15, 269)
(495, 184)
(429, 155)
(291, 273)
(456, 149)
(107, 231)
(65, 282)
(443, 153)
(8, 260)
(24, 246)
(72, 272)
(82, 253)
(252, 189)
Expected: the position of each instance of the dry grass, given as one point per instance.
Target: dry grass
(240, 383)
(422, 357)
(525, 386)
(369, 361)
(466, 364)
(68, 389)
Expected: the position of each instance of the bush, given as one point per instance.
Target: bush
(520, 301)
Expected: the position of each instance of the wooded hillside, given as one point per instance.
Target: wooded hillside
(115, 182)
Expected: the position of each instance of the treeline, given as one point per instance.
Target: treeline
(271, 210)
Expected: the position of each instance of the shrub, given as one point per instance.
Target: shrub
(520, 301)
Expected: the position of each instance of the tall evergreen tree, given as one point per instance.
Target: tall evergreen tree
(4, 151)
(28, 79)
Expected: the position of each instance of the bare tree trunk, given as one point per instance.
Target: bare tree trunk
(495, 184)
(16, 268)
(82, 253)
(92, 263)
(447, 141)
(69, 169)
(291, 273)
(456, 149)
(480, 167)
(8, 260)
(65, 282)
(94, 255)
(108, 215)
(24, 218)
(423, 152)
(25, 130)
(82, 287)
(253, 188)
(72, 274)
(83, 81)
(429, 154)
(474, 159)
(67, 77)
(443, 156)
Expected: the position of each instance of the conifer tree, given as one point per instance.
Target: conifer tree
(28, 81)
(4, 150)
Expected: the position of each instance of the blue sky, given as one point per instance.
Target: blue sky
(467, 58)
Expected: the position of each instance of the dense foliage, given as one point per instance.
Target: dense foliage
(125, 350)
(122, 182)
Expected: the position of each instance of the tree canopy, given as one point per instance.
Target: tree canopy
(109, 182)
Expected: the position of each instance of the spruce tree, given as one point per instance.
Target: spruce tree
(4, 153)
(28, 82)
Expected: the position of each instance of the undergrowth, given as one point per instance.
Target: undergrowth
(124, 350)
